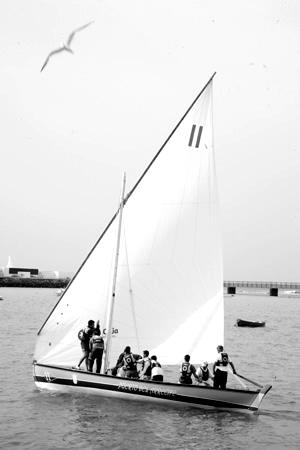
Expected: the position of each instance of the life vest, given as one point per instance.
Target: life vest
(155, 364)
(85, 334)
(129, 361)
(97, 342)
(205, 373)
(224, 359)
(148, 370)
(186, 371)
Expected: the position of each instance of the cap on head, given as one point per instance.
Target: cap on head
(127, 349)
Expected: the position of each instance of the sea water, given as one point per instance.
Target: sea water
(30, 419)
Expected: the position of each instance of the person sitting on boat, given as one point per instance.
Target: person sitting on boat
(157, 373)
(145, 371)
(84, 336)
(119, 364)
(186, 371)
(204, 374)
(127, 363)
(221, 368)
(96, 351)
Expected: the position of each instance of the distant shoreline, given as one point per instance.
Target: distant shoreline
(61, 283)
(56, 283)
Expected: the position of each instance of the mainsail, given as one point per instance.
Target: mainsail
(169, 291)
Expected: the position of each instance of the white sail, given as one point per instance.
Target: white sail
(169, 292)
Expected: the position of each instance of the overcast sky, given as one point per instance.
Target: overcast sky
(68, 133)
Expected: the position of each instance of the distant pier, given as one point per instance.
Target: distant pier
(273, 286)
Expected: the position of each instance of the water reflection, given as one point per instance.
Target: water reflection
(113, 422)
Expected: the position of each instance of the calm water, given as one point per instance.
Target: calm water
(30, 419)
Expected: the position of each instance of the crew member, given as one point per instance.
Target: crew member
(221, 368)
(145, 371)
(96, 351)
(186, 371)
(157, 373)
(204, 374)
(126, 364)
(84, 336)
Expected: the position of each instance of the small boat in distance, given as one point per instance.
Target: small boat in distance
(60, 292)
(154, 279)
(249, 323)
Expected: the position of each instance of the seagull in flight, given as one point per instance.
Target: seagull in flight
(65, 46)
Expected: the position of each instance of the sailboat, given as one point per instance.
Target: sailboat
(153, 279)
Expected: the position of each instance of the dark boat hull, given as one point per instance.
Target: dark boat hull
(249, 323)
(64, 379)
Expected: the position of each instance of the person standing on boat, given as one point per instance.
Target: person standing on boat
(204, 374)
(221, 368)
(96, 351)
(157, 373)
(145, 372)
(84, 336)
(186, 371)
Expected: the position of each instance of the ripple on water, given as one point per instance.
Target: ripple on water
(33, 420)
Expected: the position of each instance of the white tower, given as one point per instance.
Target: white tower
(10, 263)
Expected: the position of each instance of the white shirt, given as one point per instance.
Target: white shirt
(156, 371)
(223, 368)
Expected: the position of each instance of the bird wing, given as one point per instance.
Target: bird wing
(71, 36)
(58, 50)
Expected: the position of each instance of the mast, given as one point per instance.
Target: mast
(131, 297)
(113, 294)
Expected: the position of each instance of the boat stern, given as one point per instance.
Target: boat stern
(260, 396)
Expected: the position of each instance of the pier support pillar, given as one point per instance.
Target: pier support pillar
(274, 292)
(231, 290)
